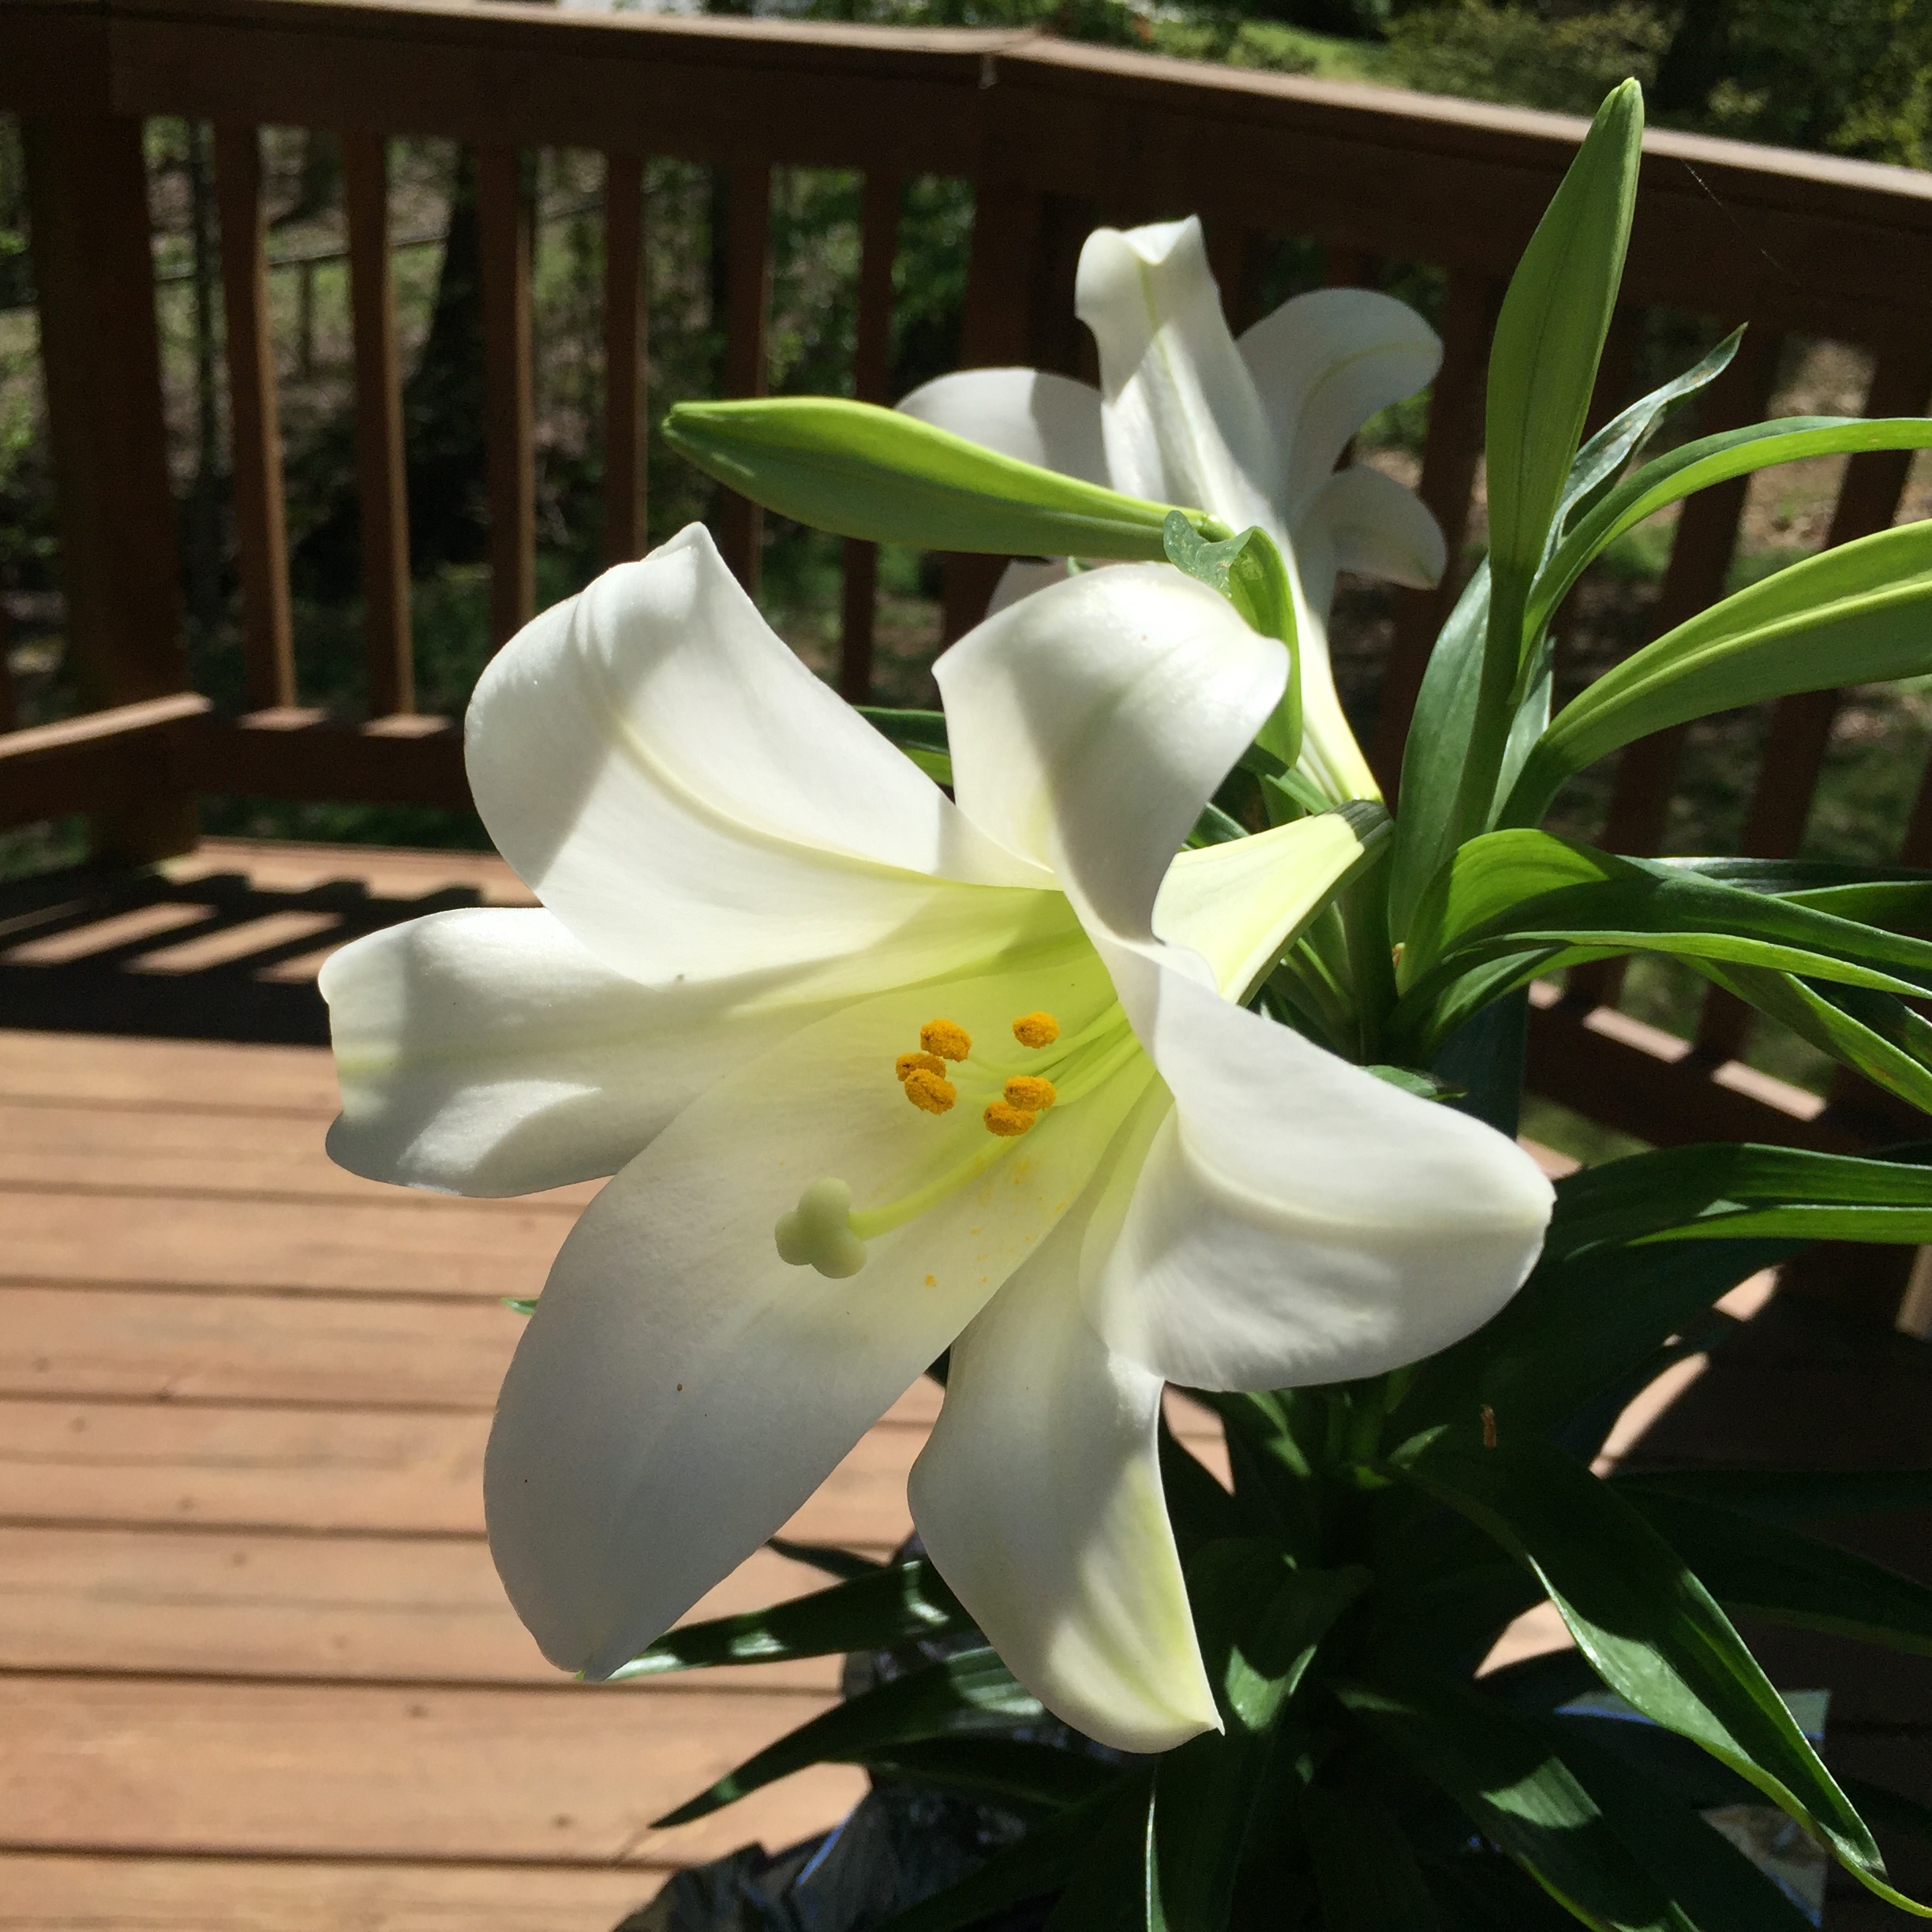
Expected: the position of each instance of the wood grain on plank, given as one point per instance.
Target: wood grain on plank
(337, 1471)
(276, 865)
(51, 1144)
(381, 1771)
(49, 1892)
(381, 1608)
(410, 1244)
(116, 1070)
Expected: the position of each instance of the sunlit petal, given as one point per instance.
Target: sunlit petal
(1039, 1499)
(484, 1051)
(1040, 419)
(680, 1390)
(1089, 724)
(650, 748)
(1296, 1220)
(1182, 421)
(1323, 365)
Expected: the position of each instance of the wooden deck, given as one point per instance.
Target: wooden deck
(257, 1674)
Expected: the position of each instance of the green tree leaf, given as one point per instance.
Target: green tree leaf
(859, 470)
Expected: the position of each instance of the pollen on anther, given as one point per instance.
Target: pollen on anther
(927, 1091)
(1006, 1119)
(908, 1064)
(946, 1038)
(1036, 1029)
(1030, 1093)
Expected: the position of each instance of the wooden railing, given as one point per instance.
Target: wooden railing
(1053, 136)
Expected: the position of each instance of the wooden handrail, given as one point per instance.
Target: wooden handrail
(1053, 136)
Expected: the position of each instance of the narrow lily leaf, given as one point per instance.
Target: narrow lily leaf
(1513, 1784)
(1771, 1572)
(920, 735)
(1697, 465)
(874, 1611)
(998, 1770)
(1036, 1867)
(1651, 1629)
(1790, 1495)
(971, 1691)
(1483, 1891)
(1248, 571)
(1598, 461)
(1366, 1870)
(1727, 1189)
(1897, 898)
(1548, 340)
(1854, 615)
(1259, 1623)
(1707, 1877)
(859, 470)
(842, 1563)
(1108, 1889)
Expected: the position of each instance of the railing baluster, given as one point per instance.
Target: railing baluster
(379, 473)
(510, 436)
(627, 351)
(747, 282)
(878, 248)
(1449, 459)
(261, 530)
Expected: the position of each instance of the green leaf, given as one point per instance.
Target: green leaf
(1854, 614)
(1000, 1770)
(859, 470)
(1037, 1867)
(920, 735)
(973, 1690)
(1737, 1187)
(875, 1610)
(1107, 1890)
(1770, 1571)
(1792, 1496)
(1248, 571)
(1543, 359)
(829, 1557)
(1363, 1866)
(1697, 465)
(1699, 1870)
(1259, 1623)
(1511, 1780)
(1650, 1627)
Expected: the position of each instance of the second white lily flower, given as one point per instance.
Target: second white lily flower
(878, 1074)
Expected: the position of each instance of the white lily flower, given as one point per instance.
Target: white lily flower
(1249, 430)
(878, 1074)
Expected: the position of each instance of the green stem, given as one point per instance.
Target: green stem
(1372, 965)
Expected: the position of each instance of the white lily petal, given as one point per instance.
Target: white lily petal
(1182, 421)
(1236, 904)
(1372, 524)
(689, 800)
(1323, 365)
(1039, 1497)
(1031, 414)
(1089, 724)
(1296, 1220)
(1021, 579)
(484, 1051)
(681, 1390)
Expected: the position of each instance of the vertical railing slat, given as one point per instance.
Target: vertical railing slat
(1449, 459)
(510, 435)
(255, 433)
(747, 282)
(379, 473)
(627, 352)
(878, 248)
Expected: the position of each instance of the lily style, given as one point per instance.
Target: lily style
(1250, 430)
(880, 1073)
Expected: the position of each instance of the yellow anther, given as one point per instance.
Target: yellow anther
(908, 1063)
(1036, 1029)
(927, 1091)
(1006, 1119)
(946, 1038)
(1029, 1094)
